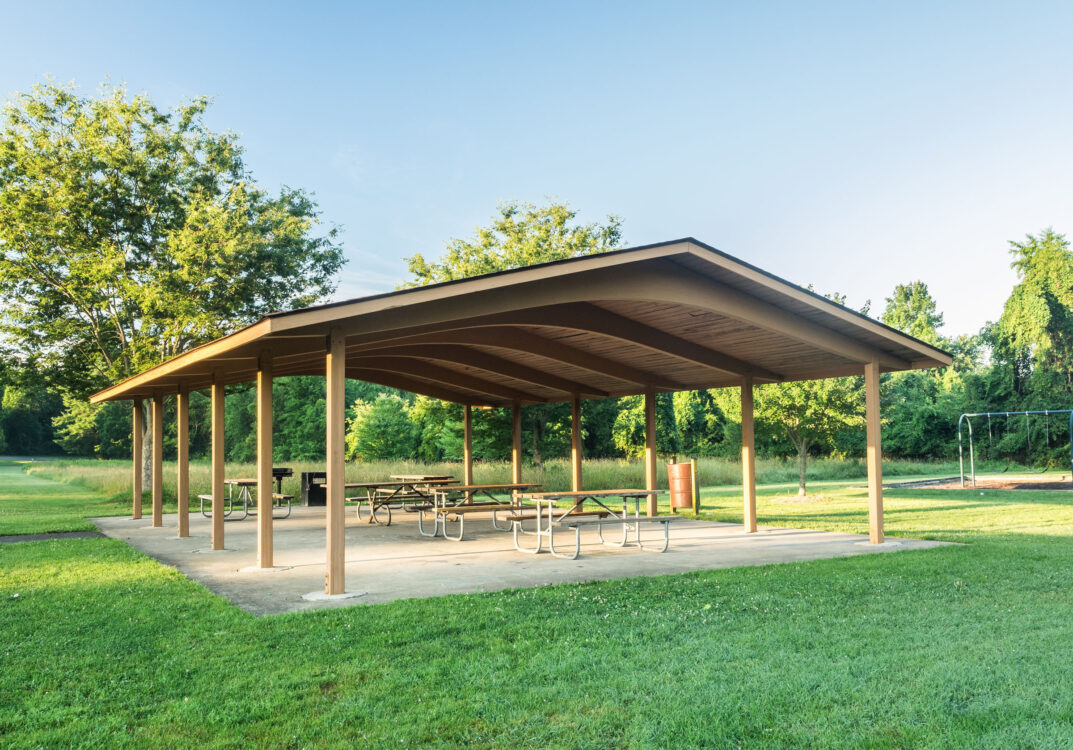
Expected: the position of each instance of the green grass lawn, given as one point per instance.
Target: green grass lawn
(961, 646)
(30, 504)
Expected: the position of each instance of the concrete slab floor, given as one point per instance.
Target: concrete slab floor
(384, 563)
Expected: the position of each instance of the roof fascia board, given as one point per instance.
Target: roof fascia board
(177, 364)
(711, 255)
(502, 283)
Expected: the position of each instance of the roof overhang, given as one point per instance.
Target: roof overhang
(674, 316)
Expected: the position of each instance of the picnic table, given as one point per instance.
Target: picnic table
(249, 508)
(457, 501)
(548, 516)
(412, 491)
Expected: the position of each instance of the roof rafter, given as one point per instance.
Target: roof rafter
(416, 385)
(443, 376)
(465, 355)
(517, 339)
(589, 318)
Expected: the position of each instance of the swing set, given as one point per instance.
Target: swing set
(967, 420)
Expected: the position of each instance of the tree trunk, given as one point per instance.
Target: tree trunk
(802, 465)
(538, 435)
(147, 445)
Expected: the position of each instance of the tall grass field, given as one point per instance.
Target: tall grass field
(113, 478)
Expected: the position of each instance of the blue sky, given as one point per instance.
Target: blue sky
(848, 145)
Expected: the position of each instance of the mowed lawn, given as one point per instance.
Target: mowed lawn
(33, 505)
(961, 646)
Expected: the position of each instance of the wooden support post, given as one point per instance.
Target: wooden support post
(335, 369)
(264, 461)
(137, 449)
(467, 448)
(748, 455)
(650, 451)
(516, 445)
(875, 452)
(182, 459)
(575, 443)
(158, 460)
(217, 457)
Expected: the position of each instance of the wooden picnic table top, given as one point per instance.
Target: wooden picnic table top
(421, 477)
(590, 493)
(374, 485)
(478, 487)
(241, 482)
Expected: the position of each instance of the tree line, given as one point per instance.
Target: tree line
(129, 235)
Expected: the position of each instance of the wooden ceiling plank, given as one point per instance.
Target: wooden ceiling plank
(588, 318)
(443, 376)
(513, 338)
(414, 385)
(465, 355)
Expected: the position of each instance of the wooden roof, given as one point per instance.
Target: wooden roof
(674, 316)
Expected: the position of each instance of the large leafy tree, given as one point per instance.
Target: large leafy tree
(523, 234)
(129, 234)
(1037, 322)
(381, 430)
(912, 309)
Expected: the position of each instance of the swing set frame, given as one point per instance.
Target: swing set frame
(967, 419)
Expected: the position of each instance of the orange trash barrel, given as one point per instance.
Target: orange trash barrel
(680, 479)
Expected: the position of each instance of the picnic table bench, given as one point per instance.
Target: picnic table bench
(549, 517)
(411, 491)
(249, 507)
(456, 502)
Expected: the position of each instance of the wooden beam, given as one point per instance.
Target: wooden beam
(575, 444)
(519, 339)
(182, 460)
(158, 460)
(589, 318)
(137, 449)
(463, 355)
(516, 443)
(335, 367)
(416, 385)
(651, 451)
(748, 455)
(264, 461)
(467, 447)
(217, 456)
(443, 376)
(595, 319)
(875, 452)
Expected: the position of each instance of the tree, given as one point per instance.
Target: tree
(522, 234)
(27, 410)
(628, 432)
(912, 310)
(129, 235)
(1037, 320)
(380, 429)
(811, 412)
(700, 422)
